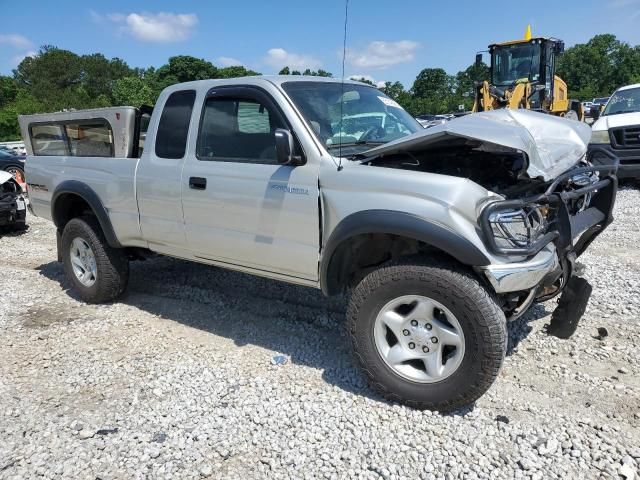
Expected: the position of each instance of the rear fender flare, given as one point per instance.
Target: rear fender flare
(92, 199)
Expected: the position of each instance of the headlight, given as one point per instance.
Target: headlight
(518, 227)
(600, 137)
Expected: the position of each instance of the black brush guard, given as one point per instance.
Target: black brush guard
(571, 233)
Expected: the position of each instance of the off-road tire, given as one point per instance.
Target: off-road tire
(482, 321)
(112, 263)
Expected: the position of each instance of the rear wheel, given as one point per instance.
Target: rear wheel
(427, 336)
(98, 272)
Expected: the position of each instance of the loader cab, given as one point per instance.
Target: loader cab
(527, 61)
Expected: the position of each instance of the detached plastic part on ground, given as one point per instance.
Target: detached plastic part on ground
(571, 306)
(13, 206)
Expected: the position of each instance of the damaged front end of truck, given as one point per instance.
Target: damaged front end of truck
(545, 201)
(12, 203)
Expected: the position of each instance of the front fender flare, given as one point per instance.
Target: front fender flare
(93, 200)
(397, 223)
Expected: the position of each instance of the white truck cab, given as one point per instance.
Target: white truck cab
(616, 131)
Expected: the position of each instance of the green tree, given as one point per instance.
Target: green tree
(432, 83)
(363, 80)
(184, 68)
(465, 79)
(236, 71)
(319, 73)
(8, 90)
(599, 66)
(99, 74)
(133, 91)
(23, 104)
(431, 92)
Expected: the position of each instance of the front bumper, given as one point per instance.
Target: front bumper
(569, 232)
(12, 212)
(515, 277)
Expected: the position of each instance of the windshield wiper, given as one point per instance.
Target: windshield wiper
(356, 143)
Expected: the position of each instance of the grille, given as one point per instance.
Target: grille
(627, 137)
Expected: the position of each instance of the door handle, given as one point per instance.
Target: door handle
(197, 183)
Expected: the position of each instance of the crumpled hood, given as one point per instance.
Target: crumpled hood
(552, 144)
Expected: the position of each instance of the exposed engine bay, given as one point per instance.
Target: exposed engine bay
(498, 169)
(12, 203)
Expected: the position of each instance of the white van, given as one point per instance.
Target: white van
(617, 131)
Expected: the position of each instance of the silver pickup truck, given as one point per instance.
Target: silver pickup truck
(439, 236)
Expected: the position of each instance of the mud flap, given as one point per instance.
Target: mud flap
(571, 306)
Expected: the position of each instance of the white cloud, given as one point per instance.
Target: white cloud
(381, 55)
(16, 41)
(278, 58)
(230, 62)
(377, 83)
(162, 27)
(16, 59)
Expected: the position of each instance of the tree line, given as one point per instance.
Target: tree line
(56, 79)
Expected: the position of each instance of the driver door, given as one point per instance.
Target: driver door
(240, 206)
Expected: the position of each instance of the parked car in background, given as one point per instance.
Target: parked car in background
(616, 132)
(598, 104)
(12, 163)
(586, 108)
(428, 120)
(13, 147)
(13, 210)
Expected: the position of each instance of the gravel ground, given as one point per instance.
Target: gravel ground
(178, 380)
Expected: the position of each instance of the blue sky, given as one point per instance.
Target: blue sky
(385, 40)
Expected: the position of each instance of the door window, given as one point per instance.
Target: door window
(238, 130)
(171, 138)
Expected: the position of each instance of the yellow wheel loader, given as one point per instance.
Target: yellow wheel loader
(522, 75)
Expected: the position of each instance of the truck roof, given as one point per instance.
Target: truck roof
(273, 79)
(70, 115)
(628, 87)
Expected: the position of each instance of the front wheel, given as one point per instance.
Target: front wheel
(98, 272)
(427, 336)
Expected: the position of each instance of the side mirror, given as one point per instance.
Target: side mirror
(285, 147)
(559, 47)
(478, 59)
(595, 112)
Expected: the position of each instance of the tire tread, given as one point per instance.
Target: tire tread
(468, 292)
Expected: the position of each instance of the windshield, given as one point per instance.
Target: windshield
(369, 117)
(515, 62)
(623, 101)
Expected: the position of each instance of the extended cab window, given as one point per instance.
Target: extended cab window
(238, 130)
(87, 138)
(90, 139)
(171, 138)
(48, 140)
